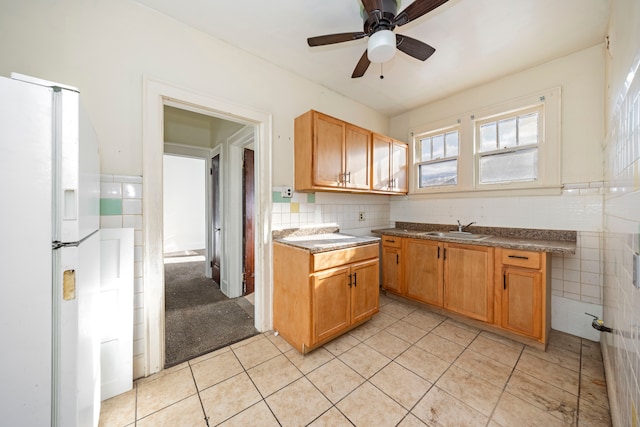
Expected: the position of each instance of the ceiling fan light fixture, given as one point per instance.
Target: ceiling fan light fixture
(381, 46)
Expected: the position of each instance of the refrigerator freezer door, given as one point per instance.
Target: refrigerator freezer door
(76, 185)
(77, 180)
(25, 232)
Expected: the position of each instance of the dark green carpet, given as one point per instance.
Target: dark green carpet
(199, 318)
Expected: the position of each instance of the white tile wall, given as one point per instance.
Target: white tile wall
(342, 210)
(129, 189)
(621, 242)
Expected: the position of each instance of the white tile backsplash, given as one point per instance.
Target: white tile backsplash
(129, 190)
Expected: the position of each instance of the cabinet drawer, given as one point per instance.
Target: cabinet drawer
(394, 242)
(518, 258)
(339, 257)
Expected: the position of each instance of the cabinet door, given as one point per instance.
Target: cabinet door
(391, 269)
(328, 148)
(423, 270)
(522, 301)
(468, 280)
(381, 172)
(331, 303)
(357, 157)
(399, 160)
(364, 290)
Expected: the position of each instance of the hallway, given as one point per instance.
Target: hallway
(199, 318)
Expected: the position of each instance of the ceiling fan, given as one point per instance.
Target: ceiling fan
(380, 18)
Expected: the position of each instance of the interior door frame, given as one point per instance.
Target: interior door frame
(155, 95)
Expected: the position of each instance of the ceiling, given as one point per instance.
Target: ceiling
(194, 129)
(476, 41)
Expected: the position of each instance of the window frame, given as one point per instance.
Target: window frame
(479, 155)
(549, 148)
(418, 154)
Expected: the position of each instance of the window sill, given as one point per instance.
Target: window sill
(488, 192)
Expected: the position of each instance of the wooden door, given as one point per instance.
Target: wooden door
(248, 235)
(215, 219)
(357, 155)
(391, 259)
(331, 303)
(468, 280)
(423, 275)
(522, 301)
(381, 173)
(364, 290)
(399, 172)
(328, 148)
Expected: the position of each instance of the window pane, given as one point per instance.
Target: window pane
(425, 148)
(528, 129)
(451, 142)
(488, 136)
(440, 173)
(507, 133)
(437, 144)
(509, 167)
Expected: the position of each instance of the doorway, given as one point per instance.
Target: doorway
(156, 94)
(200, 315)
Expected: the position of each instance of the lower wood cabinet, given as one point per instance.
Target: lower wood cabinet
(468, 280)
(317, 297)
(423, 270)
(503, 287)
(523, 301)
(391, 263)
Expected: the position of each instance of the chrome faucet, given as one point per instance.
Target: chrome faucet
(461, 227)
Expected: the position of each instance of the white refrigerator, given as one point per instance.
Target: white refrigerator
(50, 260)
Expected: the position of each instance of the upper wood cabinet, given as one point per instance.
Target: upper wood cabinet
(389, 166)
(331, 154)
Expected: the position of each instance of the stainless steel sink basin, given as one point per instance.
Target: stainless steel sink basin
(463, 235)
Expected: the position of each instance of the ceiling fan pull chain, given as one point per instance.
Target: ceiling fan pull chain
(381, 75)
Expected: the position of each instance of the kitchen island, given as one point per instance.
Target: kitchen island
(325, 284)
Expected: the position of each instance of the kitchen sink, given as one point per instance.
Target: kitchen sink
(463, 235)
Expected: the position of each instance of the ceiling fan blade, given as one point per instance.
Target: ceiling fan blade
(334, 38)
(416, 10)
(371, 5)
(413, 47)
(362, 66)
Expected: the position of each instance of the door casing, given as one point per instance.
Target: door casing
(155, 95)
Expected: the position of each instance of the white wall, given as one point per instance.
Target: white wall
(580, 76)
(184, 203)
(104, 47)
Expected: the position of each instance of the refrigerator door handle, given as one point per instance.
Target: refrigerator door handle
(56, 244)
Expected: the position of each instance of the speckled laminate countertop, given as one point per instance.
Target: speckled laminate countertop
(555, 241)
(319, 240)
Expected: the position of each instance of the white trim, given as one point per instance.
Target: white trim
(156, 94)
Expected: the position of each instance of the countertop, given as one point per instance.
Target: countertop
(325, 240)
(523, 239)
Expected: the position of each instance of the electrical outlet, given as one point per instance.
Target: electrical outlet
(361, 216)
(287, 192)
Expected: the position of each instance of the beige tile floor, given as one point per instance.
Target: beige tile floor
(405, 367)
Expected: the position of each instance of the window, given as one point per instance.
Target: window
(438, 159)
(507, 147)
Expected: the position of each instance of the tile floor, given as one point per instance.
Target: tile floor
(405, 367)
